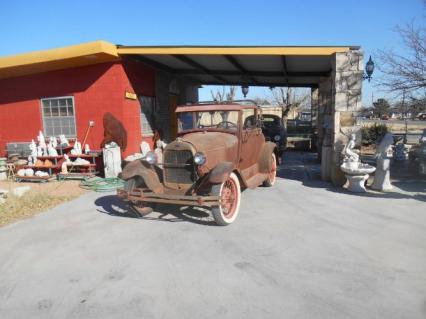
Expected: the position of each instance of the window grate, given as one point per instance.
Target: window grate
(58, 116)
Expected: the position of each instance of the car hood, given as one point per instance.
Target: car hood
(211, 142)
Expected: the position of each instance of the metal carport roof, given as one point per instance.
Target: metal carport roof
(232, 65)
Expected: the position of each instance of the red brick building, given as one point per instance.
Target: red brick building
(59, 91)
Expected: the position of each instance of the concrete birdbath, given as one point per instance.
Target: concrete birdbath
(356, 174)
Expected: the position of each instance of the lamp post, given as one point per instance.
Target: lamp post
(245, 90)
(369, 69)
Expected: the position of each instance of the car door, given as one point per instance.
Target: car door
(252, 141)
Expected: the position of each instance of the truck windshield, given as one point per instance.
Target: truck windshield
(226, 120)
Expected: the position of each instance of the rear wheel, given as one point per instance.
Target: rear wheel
(230, 197)
(272, 176)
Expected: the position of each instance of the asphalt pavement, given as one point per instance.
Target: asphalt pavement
(301, 249)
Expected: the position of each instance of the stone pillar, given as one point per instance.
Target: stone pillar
(314, 117)
(346, 77)
(325, 140)
(339, 97)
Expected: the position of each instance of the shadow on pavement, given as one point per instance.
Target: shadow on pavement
(113, 206)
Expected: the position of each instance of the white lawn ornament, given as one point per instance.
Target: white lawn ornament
(39, 151)
(383, 154)
(33, 157)
(356, 173)
(40, 138)
(54, 141)
(65, 164)
(145, 148)
(51, 150)
(63, 141)
(159, 151)
(77, 148)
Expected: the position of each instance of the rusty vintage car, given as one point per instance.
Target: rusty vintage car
(219, 150)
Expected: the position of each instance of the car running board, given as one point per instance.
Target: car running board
(256, 180)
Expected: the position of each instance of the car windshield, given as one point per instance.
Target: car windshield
(225, 120)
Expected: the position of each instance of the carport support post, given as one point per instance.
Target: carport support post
(344, 84)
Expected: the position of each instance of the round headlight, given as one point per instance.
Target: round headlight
(277, 138)
(199, 158)
(151, 158)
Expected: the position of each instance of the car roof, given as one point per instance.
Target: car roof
(214, 107)
(271, 115)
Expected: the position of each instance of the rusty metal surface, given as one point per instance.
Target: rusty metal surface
(244, 151)
(151, 197)
(146, 172)
(176, 175)
(114, 131)
(221, 172)
(218, 147)
(265, 162)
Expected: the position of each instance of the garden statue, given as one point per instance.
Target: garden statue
(64, 166)
(145, 148)
(63, 141)
(42, 147)
(40, 151)
(54, 141)
(33, 157)
(356, 172)
(77, 148)
(51, 150)
(348, 152)
(159, 151)
(383, 154)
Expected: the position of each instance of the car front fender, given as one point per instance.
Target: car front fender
(145, 171)
(220, 172)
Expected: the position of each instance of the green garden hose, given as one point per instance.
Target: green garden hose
(98, 184)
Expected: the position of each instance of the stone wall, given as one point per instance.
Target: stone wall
(340, 101)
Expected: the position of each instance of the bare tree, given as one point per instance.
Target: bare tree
(220, 95)
(405, 72)
(287, 99)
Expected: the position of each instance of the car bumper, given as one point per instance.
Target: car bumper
(151, 197)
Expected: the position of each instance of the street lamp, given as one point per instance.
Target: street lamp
(245, 90)
(369, 69)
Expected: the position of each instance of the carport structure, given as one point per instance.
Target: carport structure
(95, 74)
(334, 74)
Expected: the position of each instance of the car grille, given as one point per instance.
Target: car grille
(178, 167)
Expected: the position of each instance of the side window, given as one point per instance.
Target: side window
(58, 116)
(249, 119)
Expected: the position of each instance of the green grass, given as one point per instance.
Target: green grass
(27, 206)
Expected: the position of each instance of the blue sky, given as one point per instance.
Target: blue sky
(35, 25)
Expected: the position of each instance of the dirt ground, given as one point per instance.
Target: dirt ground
(40, 197)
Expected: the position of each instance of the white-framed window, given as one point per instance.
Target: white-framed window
(58, 116)
(147, 104)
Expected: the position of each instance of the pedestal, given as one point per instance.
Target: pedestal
(356, 183)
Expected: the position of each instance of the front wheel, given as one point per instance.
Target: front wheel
(138, 207)
(230, 197)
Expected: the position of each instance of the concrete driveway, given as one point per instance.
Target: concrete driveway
(298, 250)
